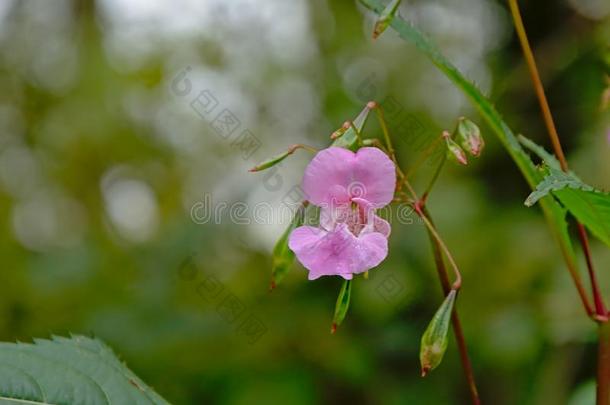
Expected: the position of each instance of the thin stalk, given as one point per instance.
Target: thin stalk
(437, 173)
(458, 276)
(603, 354)
(535, 76)
(438, 247)
(603, 365)
(455, 320)
(423, 157)
(552, 130)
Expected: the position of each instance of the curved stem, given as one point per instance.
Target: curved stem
(458, 276)
(296, 146)
(455, 320)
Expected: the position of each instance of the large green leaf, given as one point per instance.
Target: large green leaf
(79, 370)
(590, 206)
(554, 213)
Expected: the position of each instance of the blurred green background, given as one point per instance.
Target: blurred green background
(114, 140)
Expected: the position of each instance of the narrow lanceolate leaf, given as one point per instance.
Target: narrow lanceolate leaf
(539, 151)
(349, 138)
(342, 304)
(590, 206)
(283, 257)
(434, 340)
(77, 370)
(385, 18)
(554, 213)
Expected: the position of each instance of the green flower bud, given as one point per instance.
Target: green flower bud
(434, 340)
(346, 137)
(342, 304)
(454, 150)
(385, 18)
(469, 136)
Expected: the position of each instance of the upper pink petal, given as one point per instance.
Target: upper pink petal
(337, 253)
(377, 173)
(335, 175)
(328, 175)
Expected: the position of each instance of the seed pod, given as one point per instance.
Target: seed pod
(434, 339)
(385, 18)
(454, 151)
(469, 137)
(342, 304)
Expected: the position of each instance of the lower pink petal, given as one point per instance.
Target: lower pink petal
(337, 253)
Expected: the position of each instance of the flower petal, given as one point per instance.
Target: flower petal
(381, 226)
(339, 174)
(377, 173)
(373, 222)
(328, 175)
(337, 253)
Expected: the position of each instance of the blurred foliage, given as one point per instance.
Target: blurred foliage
(102, 161)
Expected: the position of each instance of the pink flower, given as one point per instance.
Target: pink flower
(348, 187)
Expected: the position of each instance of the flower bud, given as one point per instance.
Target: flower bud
(346, 136)
(339, 133)
(454, 150)
(385, 18)
(469, 136)
(434, 339)
(283, 257)
(342, 304)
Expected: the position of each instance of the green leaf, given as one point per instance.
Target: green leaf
(590, 206)
(539, 151)
(434, 340)
(553, 212)
(283, 257)
(77, 370)
(555, 180)
(342, 304)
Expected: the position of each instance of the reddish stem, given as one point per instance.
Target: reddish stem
(455, 320)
